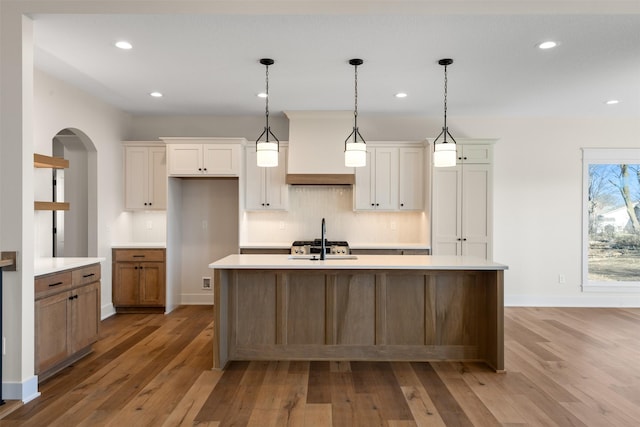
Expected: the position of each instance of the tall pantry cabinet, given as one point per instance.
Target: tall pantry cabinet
(462, 202)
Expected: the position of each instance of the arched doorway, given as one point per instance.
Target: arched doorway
(74, 231)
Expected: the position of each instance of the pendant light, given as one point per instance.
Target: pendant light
(444, 153)
(355, 153)
(267, 151)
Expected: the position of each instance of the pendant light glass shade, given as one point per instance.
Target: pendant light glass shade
(444, 155)
(355, 153)
(267, 151)
(444, 152)
(267, 154)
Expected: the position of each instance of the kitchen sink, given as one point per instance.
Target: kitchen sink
(316, 257)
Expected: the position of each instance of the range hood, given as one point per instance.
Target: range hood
(316, 148)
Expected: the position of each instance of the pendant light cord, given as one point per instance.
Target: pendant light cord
(355, 110)
(356, 133)
(267, 130)
(445, 100)
(266, 108)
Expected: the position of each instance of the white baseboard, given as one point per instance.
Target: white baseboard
(107, 311)
(584, 300)
(26, 390)
(203, 298)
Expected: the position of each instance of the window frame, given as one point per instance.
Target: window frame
(591, 156)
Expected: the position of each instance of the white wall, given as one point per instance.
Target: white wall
(538, 202)
(209, 230)
(60, 106)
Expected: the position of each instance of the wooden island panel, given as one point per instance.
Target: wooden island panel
(404, 315)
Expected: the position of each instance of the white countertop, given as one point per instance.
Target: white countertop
(351, 245)
(380, 262)
(138, 245)
(54, 265)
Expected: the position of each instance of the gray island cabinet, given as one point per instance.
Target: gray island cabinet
(374, 307)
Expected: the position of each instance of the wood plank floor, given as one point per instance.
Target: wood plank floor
(565, 367)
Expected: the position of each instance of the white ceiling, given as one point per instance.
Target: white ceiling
(208, 64)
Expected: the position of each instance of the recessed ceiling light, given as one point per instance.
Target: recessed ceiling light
(401, 95)
(125, 45)
(612, 102)
(156, 94)
(547, 45)
(262, 95)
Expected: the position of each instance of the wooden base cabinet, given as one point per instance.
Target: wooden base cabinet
(376, 315)
(139, 280)
(67, 318)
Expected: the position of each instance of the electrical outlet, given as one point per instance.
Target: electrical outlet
(562, 279)
(149, 225)
(206, 283)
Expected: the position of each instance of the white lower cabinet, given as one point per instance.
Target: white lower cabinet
(393, 178)
(265, 188)
(462, 209)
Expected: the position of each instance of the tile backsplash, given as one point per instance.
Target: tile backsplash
(309, 204)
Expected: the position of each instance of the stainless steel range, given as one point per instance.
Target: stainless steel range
(310, 247)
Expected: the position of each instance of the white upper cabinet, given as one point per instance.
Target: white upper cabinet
(393, 178)
(462, 205)
(204, 156)
(412, 178)
(475, 153)
(145, 177)
(265, 188)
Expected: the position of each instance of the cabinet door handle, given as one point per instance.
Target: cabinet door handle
(205, 169)
(200, 169)
(377, 204)
(145, 203)
(70, 298)
(149, 203)
(268, 204)
(373, 204)
(51, 285)
(401, 204)
(464, 240)
(138, 256)
(88, 275)
(136, 267)
(459, 239)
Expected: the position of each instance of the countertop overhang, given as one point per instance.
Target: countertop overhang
(363, 262)
(54, 265)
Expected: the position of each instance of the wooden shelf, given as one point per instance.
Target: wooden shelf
(51, 206)
(6, 262)
(42, 161)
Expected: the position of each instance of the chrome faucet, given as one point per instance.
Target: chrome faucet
(323, 245)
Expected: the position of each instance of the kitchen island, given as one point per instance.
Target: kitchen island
(372, 307)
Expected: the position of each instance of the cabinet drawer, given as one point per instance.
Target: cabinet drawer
(156, 255)
(88, 274)
(52, 283)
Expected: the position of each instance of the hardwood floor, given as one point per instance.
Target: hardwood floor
(565, 367)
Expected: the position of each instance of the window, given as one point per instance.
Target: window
(611, 220)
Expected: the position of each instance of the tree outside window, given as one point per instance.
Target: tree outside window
(611, 228)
